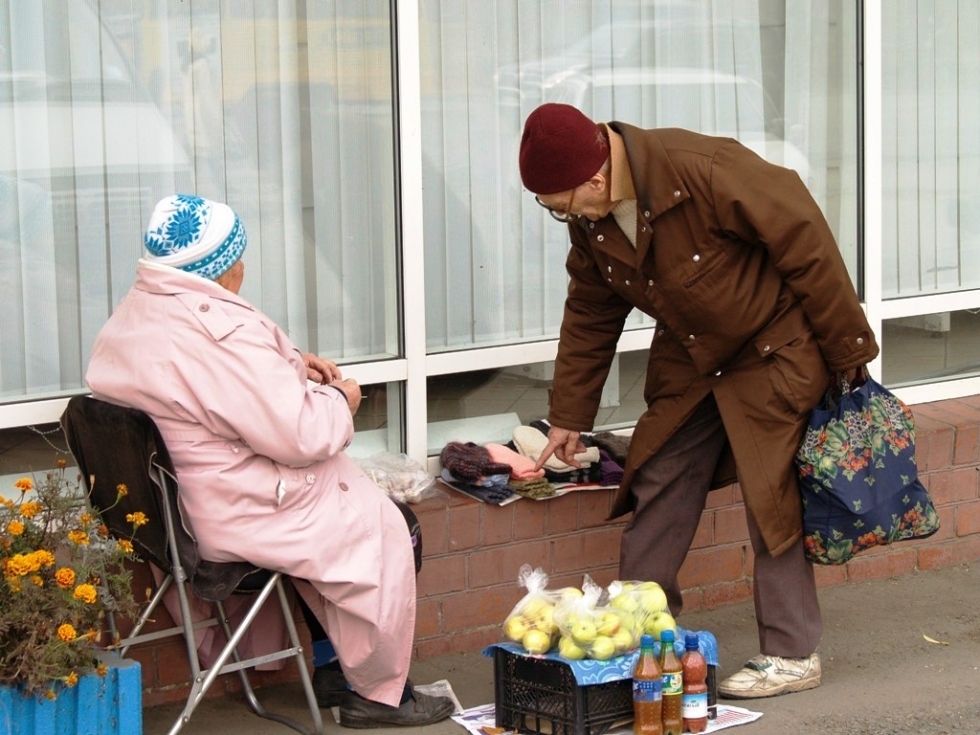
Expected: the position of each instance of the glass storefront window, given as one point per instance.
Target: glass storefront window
(931, 347)
(284, 111)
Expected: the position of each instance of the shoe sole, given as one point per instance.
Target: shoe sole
(787, 688)
(369, 723)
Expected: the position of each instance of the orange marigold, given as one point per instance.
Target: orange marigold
(65, 577)
(37, 581)
(79, 538)
(125, 545)
(122, 490)
(137, 519)
(15, 528)
(71, 680)
(66, 632)
(30, 509)
(101, 669)
(62, 464)
(44, 558)
(86, 593)
(24, 484)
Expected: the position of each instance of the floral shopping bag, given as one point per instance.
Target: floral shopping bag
(858, 475)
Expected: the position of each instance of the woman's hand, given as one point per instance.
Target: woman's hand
(321, 370)
(352, 390)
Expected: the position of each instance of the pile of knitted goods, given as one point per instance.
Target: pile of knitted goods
(602, 461)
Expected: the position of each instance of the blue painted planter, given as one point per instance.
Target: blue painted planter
(109, 705)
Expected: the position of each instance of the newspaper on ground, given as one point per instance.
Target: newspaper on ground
(482, 720)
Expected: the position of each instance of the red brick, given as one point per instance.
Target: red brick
(585, 551)
(442, 574)
(435, 530)
(881, 565)
(172, 666)
(705, 534)
(464, 527)
(967, 519)
(530, 519)
(470, 641)
(594, 507)
(497, 523)
(954, 552)
(727, 593)
(828, 576)
(562, 514)
(479, 607)
(953, 486)
(146, 656)
(711, 566)
(428, 617)
(721, 497)
(933, 443)
(502, 564)
(730, 525)
(966, 450)
(691, 600)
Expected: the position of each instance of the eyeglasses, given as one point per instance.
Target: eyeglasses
(561, 215)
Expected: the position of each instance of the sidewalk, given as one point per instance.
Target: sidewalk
(880, 676)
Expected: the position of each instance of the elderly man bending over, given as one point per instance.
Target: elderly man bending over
(259, 451)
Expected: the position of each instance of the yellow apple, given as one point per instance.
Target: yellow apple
(602, 648)
(515, 628)
(609, 622)
(536, 641)
(625, 601)
(652, 600)
(623, 640)
(583, 631)
(658, 623)
(568, 649)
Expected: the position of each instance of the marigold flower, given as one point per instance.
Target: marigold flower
(93, 635)
(14, 584)
(125, 545)
(101, 669)
(37, 581)
(62, 464)
(137, 519)
(103, 530)
(20, 565)
(30, 509)
(49, 694)
(86, 593)
(79, 538)
(65, 577)
(24, 484)
(15, 528)
(85, 519)
(66, 632)
(71, 680)
(121, 490)
(44, 558)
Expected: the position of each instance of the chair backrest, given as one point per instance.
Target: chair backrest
(115, 445)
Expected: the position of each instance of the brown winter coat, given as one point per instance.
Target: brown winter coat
(753, 303)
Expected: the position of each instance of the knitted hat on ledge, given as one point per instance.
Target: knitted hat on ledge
(195, 235)
(561, 148)
(470, 462)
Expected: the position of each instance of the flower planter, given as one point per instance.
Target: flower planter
(109, 705)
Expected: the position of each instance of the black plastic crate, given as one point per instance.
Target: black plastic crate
(535, 695)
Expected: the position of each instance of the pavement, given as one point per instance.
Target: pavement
(900, 656)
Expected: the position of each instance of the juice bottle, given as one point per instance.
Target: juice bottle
(647, 683)
(694, 702)
(673, 689)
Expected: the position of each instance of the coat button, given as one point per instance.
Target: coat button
(649, 283)
(643, 229)
(203, 307)
(717, 373)
(690, 337)
(627, 283)
(234, 450)
(860, 340)
(697, 258)
(766, 348)
(677, 192)
(609, 279)
(600, 238)
(609, 268)
(311, 478)
(591, 225)
(343, 486)
(646, 213)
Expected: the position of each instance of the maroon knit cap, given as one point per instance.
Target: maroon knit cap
(561, 148)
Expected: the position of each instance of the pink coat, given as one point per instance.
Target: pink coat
(261, 464)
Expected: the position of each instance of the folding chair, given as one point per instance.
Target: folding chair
(114, 445)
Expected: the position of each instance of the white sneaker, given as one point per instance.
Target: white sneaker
(767, 676)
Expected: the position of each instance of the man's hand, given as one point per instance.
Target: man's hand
(352, 390)
(564, 444)
(321, 370)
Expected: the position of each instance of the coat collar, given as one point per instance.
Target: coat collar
(657, 184)
(162, 279)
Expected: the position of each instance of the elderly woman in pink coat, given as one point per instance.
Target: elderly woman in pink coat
(259, 452)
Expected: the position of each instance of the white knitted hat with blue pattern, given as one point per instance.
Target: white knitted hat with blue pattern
(195, 235)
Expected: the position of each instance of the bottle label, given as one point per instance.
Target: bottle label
(645, 690)
(694, 706)
(673, 683)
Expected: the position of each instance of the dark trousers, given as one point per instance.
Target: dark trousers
(670, 491)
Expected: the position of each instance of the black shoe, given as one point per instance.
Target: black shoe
(422, 709)
(330, 687)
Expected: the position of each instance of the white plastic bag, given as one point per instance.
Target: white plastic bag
(401, 477)
(531, 623)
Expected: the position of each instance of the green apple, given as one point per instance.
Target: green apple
(609, 622)
(602, 648)
(658, 623)
(583, 632)
(536, 641)
(516, 627)
(568, 649)
(625, 601)
(652, 599)
(623, 640)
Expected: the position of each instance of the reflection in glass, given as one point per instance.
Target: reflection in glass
(930, 347)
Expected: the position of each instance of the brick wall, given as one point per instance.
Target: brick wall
(473, 551)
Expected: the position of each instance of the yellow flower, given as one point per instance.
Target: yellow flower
(71, 680)
(66, 632)
(24, 484)
(20, 565)
(62, 464)
(122, 490)
(30, 509)
(65, 577)
(44, 558)
(49, 694)
(102, 669)
(37, 581)
(103, 530)
(86, 593)
(93, 635)
(125, 546)
(79, 538)
(137, 519)
(14, 584)
(85, 519)
(15, 528)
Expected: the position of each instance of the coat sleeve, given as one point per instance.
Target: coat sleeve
(246, 383)
(769, 206)
(592, 324)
